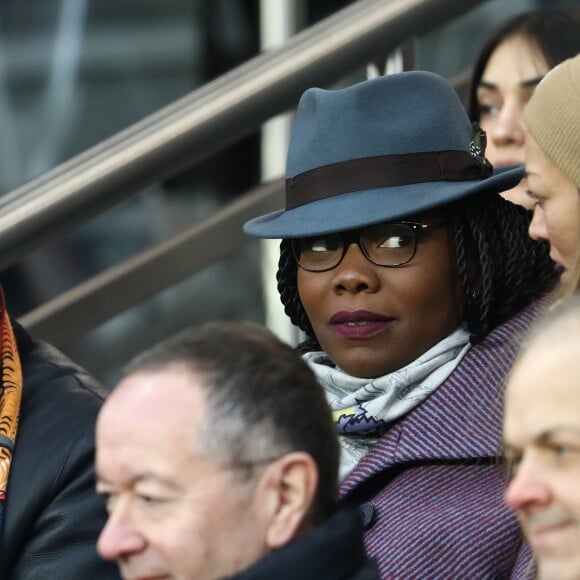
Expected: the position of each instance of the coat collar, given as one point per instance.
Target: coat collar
(334, 549)
(462, 419)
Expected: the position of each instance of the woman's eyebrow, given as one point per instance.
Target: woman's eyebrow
(531, 82)
(487, 85)
(525, 83)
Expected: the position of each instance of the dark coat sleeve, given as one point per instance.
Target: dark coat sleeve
(53, 515)
(61, 542)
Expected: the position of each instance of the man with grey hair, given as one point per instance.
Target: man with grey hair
(542, 442)
(217, 457)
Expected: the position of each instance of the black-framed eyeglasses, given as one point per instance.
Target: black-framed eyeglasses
(389, 245)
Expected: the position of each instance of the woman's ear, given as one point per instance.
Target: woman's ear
(286, 490)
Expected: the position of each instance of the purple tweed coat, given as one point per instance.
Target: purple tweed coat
(431, 487)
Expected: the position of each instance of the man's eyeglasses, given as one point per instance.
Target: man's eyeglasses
(389, 245)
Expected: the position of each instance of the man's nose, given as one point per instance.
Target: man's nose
(119, 538)
(527, 488)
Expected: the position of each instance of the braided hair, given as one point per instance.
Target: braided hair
(514, 269)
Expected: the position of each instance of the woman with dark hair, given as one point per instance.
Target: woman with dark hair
(506, 72)
(412, 281)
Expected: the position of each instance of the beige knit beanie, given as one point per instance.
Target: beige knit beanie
(553, 116)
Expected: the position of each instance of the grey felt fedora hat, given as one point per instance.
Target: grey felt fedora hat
(379, 150)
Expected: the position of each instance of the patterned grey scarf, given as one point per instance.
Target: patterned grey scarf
(363, 408)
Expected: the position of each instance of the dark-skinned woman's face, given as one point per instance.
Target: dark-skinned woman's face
(371, 320)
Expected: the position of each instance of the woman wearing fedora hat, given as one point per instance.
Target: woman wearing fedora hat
(412, 281)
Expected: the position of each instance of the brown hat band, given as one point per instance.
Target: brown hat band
(383, 171)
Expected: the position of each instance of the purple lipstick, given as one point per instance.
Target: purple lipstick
(359, 324)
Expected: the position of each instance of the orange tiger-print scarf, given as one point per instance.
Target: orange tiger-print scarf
(10, 394)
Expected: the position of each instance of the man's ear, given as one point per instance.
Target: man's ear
(286, 490)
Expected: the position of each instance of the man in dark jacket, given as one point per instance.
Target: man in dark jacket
(217, 457)
(50, 512)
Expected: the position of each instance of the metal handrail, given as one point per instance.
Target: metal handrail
(209, 118)
(84, 307)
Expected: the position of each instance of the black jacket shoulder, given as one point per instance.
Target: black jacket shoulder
(333, 551)
(53, 516)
